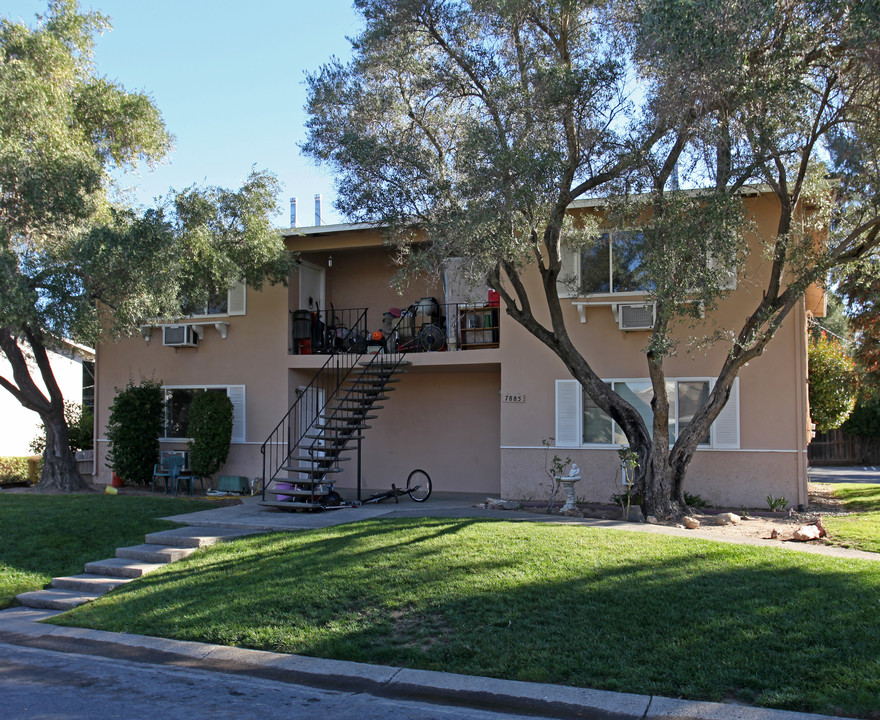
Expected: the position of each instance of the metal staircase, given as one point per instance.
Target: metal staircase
(325, 427)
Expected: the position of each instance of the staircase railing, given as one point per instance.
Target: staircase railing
(375, 373)
(313, 399)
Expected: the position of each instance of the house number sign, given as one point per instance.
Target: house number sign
(514, 397)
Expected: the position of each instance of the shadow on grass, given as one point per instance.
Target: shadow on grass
(613, 610)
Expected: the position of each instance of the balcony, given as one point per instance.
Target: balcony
(429, 331)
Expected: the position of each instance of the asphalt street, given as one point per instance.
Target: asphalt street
(38, 684)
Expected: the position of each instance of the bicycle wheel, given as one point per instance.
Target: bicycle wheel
(418, 485)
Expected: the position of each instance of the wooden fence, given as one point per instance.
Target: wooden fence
(836, 447)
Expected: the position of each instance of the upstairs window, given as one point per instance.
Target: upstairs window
(231, 302)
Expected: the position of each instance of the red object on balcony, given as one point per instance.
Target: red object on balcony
(494, 298)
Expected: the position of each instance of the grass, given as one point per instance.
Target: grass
(680, 617)
(43, 536)
(861, 530)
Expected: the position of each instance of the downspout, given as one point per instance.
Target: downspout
(95, 423)
(802, 404)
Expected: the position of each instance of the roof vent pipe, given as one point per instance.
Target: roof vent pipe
(293, 212)
(317, 209)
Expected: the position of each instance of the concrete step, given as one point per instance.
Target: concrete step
(56, 599)
(89, 583)
(119, 567)
(194, 536)
(154, 553)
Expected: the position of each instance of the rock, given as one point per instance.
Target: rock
(651, 520)
(726, 519)
(635, 514)
(573, 512)
(807, 532)
(774, 535)
(510, 505)
(690, 523)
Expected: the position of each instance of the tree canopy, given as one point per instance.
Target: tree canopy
(480, 122)
(68, 249)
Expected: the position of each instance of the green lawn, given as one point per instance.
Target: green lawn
(631, 612)
(861, 530)
(43, 536)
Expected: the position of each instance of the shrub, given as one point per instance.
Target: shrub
(133, 430)
(833, 383)
(13, 469)
(865, 417)
(210, 427)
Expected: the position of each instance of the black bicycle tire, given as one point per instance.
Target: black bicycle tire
(417, 495)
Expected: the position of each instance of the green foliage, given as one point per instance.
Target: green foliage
(484, 123)
(80, 426)
(695, 501)
(133, 430)
(210, 427)
(865, 417)
(13, 469)
(833, 383)
(776, 503)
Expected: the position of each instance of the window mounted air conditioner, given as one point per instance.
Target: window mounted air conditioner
(179, 336)
(634, 316)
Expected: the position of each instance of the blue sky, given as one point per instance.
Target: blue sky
(228, 79)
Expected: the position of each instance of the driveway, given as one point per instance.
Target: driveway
(844, 474)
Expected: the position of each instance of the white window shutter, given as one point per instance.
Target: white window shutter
(569, 413)
(237, 395)
(725, 429)
(236, 304)
(569, 281)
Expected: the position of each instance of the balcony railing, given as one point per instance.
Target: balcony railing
(424, 326)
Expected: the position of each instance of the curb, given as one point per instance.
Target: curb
(556, 701)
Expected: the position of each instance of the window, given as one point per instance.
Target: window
(179, 399)
(579, 421)
(614, 264)
(220, 303)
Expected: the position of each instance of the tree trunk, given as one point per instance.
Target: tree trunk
(60, 471)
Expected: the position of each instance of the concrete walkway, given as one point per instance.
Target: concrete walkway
(21, 626)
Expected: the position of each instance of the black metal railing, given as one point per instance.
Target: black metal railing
(303, 414)
(325, 332)
(424, 326)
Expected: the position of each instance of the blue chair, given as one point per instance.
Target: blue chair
(169, 472)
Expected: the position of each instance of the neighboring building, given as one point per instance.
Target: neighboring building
(73, 366)
(474, 414)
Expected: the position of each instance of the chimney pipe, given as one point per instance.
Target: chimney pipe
(293, 212)
(318, 209)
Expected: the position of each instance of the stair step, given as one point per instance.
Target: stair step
(89, 583)
(56, 599)
(292, 505)
(324, 460)
(335, 439)
(345, 422)
(194, 536)
(310, 471)
(120, 567)
(154, 553)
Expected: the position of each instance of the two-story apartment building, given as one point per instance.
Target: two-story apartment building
(480, 398)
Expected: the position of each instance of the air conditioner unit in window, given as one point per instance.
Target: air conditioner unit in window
(634, 316)
(179, 336)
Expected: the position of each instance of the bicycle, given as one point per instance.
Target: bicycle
(418, 487)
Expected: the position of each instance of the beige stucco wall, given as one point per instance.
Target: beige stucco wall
(441, 419)
(254, 354)
(773, 412)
